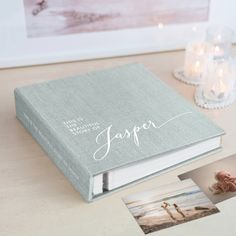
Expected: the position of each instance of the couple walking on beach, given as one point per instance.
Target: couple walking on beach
(166, 206)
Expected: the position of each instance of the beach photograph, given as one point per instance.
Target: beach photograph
(217, 180)
(46, 18)
(169, 205)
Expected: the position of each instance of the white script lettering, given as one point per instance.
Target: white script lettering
(104, 149)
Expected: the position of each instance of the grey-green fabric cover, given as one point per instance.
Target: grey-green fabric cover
(124, 97)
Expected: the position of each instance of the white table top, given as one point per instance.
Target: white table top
(35, 197)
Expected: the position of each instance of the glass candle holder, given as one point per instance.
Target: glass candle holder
(221, 40)
(196, 56)
(219, 80)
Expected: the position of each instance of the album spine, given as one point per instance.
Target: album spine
(57, 151)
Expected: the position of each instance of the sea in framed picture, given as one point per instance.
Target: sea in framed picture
(50, 31)
(53, 17)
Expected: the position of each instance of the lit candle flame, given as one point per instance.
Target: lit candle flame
(219, 89)
(217, 49)
(219, 37)
(197, 65)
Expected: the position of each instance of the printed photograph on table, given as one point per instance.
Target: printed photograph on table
(53, 17)
(217, 180)
(169, 205)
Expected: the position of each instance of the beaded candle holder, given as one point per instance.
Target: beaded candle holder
(221, 40)
(196, 57)
(218, 90)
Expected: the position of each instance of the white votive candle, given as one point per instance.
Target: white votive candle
(219, 80)
(196, 57)
(221, 39)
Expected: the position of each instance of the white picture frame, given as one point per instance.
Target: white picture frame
(17, 49)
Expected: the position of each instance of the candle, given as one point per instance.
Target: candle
(196, 57)
(219, 80)
(221, 39)
(218, 51)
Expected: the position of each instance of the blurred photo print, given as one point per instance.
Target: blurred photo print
(217, 180)
(169, 205)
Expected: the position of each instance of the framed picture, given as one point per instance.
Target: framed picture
(48, 31)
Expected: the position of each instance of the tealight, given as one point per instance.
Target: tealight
(219, 80)
(218, 90)
(221, 40)
(196, 57)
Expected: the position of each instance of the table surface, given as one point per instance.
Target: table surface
(35, 197)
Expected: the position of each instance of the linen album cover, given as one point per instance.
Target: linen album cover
(90, 124)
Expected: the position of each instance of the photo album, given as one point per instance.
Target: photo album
(101, 147)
